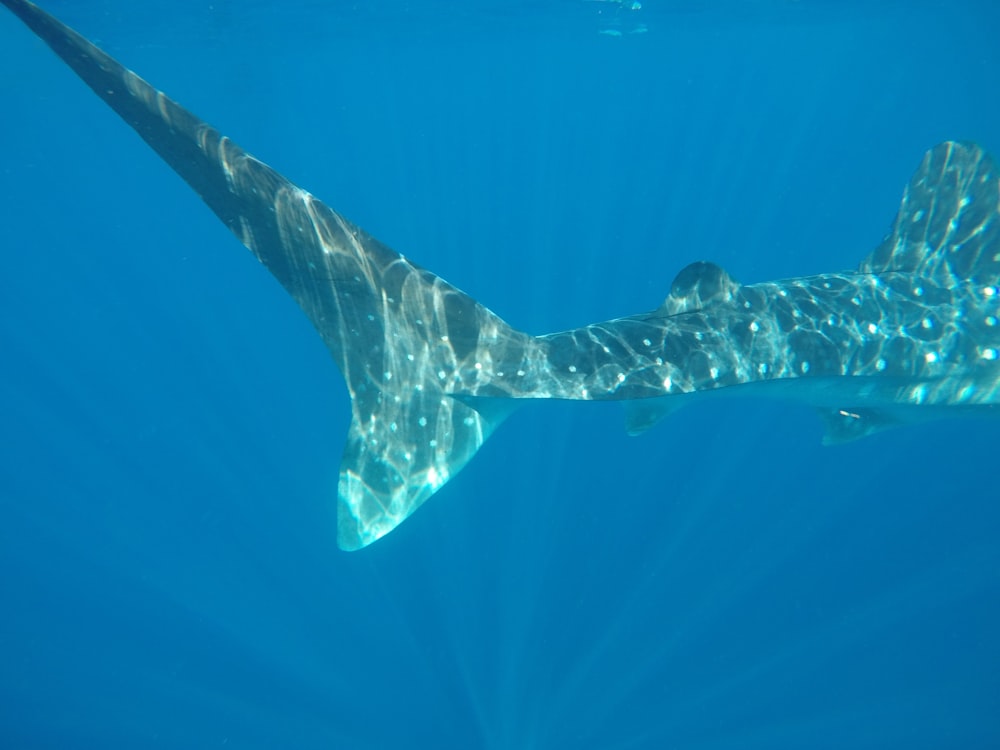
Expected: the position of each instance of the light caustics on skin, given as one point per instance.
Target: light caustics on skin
(911, 335)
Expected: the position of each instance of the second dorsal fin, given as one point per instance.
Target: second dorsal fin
(698, 285)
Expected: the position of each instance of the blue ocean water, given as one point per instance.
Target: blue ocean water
(171, 426)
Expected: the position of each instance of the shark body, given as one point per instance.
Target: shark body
(912, 334)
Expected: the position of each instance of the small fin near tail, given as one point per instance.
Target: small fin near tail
(948, 224)
(847, 425)
(699, 285)
(644, 413)
(406, 341)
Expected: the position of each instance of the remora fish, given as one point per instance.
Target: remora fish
(911, 335)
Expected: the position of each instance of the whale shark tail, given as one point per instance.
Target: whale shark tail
(416, 353)
(431, 372)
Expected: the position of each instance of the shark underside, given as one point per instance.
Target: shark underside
(912, 334)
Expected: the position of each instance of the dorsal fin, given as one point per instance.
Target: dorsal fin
(699, 285)
(948, 225)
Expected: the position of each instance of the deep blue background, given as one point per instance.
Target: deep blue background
(170, 425)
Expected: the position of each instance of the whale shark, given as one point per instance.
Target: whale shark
(911, 335)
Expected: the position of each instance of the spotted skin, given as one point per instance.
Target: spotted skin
(921, 311)
(431, 372)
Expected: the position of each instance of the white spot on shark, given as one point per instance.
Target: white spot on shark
(435, 477)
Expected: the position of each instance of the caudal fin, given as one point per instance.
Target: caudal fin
(408, 344)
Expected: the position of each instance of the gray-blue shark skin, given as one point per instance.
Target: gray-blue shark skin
(911, 334)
